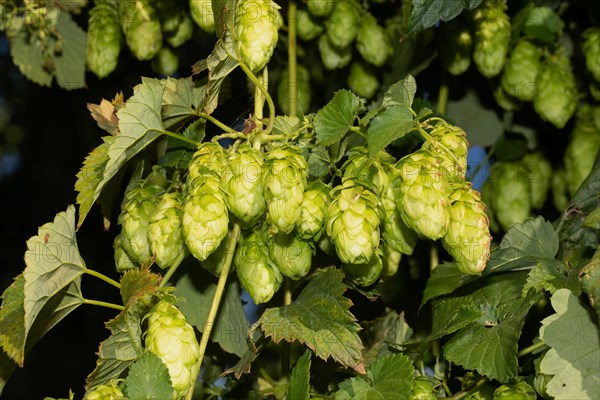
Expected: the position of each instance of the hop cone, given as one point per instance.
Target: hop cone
(560, 197)
(396, 235)
(353, 219)
(342, 25)
(365, 274)
(171, 338)
(165, 62)
(202, 14)
(372, 42)
(540, 175)
(303, 96)
(321, 8)
(208, 160)
(449, 144)
(243, 184)
(182, 33)
(307, 26)
(503, 99)
(540, 381)
(291, 255)
(492, 37)
(455, 44)
(422, 389)
(141, 27)
(581, 151)
(589, 276)
(122, 260)
(110, 391)
(591, 50)
(390, 259)
(104, 38)
(255, 270)
(284, 173)
(521, 71)
(214, 262)
(255, 31)
(487, 194)
(512, 199)
(556, 91)
(422, 194)
(358, 166)
(165, 231)
(362, 80)
(331, 57)
(313, 211)
(468, 238)
(519, 391)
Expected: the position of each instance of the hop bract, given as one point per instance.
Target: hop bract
(104, 38)
(255, 270)
(540, 175)
(313, 211)
(166, 230)
(141, 27)
(353, 219)
(512, 199)
(372, 41)
(291, 255)
(202, 14)
(455, 44)
(171, 338)
(591, 50)
(521, 71)
(284, 174)
(492, 37)
(110, 391)
(342, 25)
(365, 274)
(468, 238)
(422, 194)
(449, 143)
(518, 391)
(255, 31)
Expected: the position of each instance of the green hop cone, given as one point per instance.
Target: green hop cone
(512, 198)
(284, 174)
(372, 42)
(291, 255)
(521, 71)
(365, 274)
(255, 31)
(342, 25)
(540, 381)
(589, 276)
(422, 194)
(492, 37)
(243, 184)
(390, 259)
(122, 260)
(581, 151)
(255, 270)
(141, 27)
(171, 338)
(556, 91)
(321, 8)
(487, 194)
(170, 16)
(331, 57)
(214, 262)
(449, 143)
(103, 38)
(303, 96)
(540, 175)
(503, 99)
(560, 197)
(358, 166)
(422, 389)
(182, 34)
(468, 239)
(308, 27)
(362, 80)
(208, 160)
(518, 391)
(313, 211)
(165, 231)
(591, 50)
(202, 14)
(353, 219)
(109, 391)
(165, 62)
(483, 392)
(454, 45)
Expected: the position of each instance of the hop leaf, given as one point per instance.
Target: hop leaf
(104, 38)
(492, 37)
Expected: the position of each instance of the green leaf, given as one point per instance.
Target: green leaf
(551, 275)
(120, 349)
(389, 378)
(197, 287)
(223, 11)
(426, 13)
(300, 379)
(179, 154)
(138, 283)
(592, 220)
(450, 315)
(177, 101)
(53, 264)
(28, 56)
(90, 176)
(320, 318)
(385, 335)
(319, 162)
(284, 124)
(12, 318)
(149, 379)
(401, 93)
(444, 279)
(70, 64)
(543, 23)
(389, 125)
(575, 350)
(336, 118)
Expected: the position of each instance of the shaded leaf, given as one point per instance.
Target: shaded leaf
(401, 93)
(70, 64)
(28, 56)
(444, 279)
(319, 318)
(319, 162)
(178, 153)
(542, 23)
(300, 378)
(389, 125)
(138, 283)
(177, 101)
(7, 367)
(551, 275)
(223, 11)
(149, 379)
(426, 13)
(450, 315)
(336, 118)
(386, 335)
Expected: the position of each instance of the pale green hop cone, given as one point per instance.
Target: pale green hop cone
(390, 259)
(202, 14)
(141, 27)
(321, 8)
(422, 389)
(512, 199)
(518, 391)
(243, 184)
(372, 42)
(468, 239)
(365, 274)
(455, 45)
(589, 276)
(291, 255)
(540, 176)
(110, 391)
(422, 194)
(591, 50)
(358, 166)
(208, 161)
(166, 231)
(255, 31)
(353, 220)
(182, 34)
(171, 338)
(581, 151)
(308, 27)
(303, 96)
(491, 38)
(395, 233)
(342, 25)
(521, 71)
(449, 143)
(165, 62)
(214, 262)
(560, 197)
(331, 57)
(255, 270)
(313, 211)
(362, 80)
(103, 38)
(487, 194)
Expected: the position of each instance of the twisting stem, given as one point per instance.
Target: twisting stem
(531, 349)
(292, 58)
(103, 304)
(177, 136)
(265, 92)
(218, 123)
(103, 277)
(214, 307)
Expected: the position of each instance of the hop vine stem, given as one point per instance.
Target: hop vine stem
(265, 92)
(103, 277)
